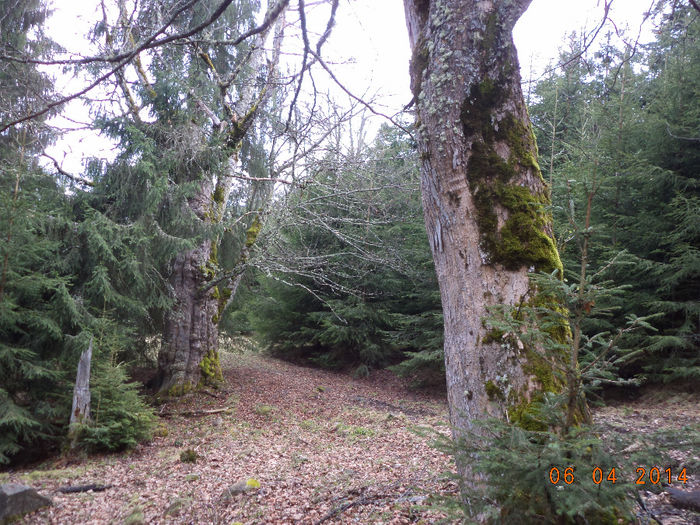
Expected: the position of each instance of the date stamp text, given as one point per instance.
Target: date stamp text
(644, 475)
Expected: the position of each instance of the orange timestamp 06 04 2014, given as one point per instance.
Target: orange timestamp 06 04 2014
(653, 475)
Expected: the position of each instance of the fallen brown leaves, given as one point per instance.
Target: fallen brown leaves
(638, 421)
(324, 448)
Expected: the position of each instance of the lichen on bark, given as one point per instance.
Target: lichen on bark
(419, 62)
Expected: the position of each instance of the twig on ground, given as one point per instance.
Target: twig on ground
(363, 500)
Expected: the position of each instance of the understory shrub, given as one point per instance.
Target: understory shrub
(120, 418)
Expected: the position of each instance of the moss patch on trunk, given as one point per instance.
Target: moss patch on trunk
(523, 239)
(211, 369)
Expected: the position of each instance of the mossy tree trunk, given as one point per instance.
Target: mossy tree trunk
(189, 354)
(483, 195)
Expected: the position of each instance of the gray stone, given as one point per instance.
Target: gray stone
(240, 487)
(17, 500)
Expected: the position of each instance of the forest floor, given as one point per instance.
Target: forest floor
(324, 448)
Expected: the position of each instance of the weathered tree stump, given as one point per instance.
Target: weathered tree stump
(81, 395)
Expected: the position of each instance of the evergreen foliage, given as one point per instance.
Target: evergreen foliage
(32, 292)
(517, 464)
(367, 295)
(120, 417)
(35, 307)
(53, 256)
(168, 191)
(621, 126)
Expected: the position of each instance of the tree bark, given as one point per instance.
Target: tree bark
(81, 390)
(189, 355)
(484, 198)
(80, 413)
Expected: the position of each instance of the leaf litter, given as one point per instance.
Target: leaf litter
(281, 443)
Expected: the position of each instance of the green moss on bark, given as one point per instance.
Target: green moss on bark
(522, 406)
(493, 336)
(490, 40)
(524, 414)
(559, 331)
(180, 389)
(222, 296)
(523, 239)
(252, 233)
(493, 391)
(211, 369)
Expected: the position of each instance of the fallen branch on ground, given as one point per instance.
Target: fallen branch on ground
(685, 499)
(84, 488)
(363, 500)
(194, 413)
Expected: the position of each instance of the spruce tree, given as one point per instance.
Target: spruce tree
(33, 293)
(54, 293)
(622, 117)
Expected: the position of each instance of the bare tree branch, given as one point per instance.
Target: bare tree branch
(329, 27)
(152, 42)
(118, 58)
(358, 99)
(587, 42)
(305, 37)
(70, 176)
(261, 179)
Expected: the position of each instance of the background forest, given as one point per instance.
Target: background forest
(331, 267)
(615, 127)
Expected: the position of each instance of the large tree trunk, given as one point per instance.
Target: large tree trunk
(189, 355)
(484, 198)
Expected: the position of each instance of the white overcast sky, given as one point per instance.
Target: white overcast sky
(371, 38)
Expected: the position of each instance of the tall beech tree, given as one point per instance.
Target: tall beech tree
(484, 200)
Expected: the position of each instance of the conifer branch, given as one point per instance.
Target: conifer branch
(123, 59)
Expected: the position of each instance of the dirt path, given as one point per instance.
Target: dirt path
(315, 441)
(324, 448)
